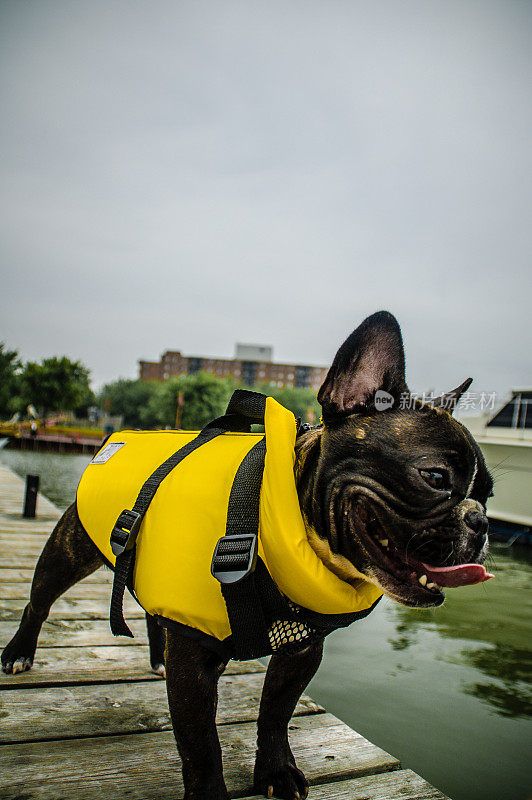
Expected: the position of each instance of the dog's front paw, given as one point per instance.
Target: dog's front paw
(19, 665)
(17, 656)
(280, 780)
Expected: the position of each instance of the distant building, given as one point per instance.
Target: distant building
(253, 363)
(254, 352)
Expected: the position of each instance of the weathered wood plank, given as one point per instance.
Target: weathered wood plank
(13, 503)
(16, 535)
(79, 633)
(67, 666)
(25, 575)
(147, 766)
(397, 785)
(75, 711)
(67, 608)
(15, 526)
(79, 591)
(43, 522)
(11, 515)
(12, 508)
(9, 560)
(33, 548)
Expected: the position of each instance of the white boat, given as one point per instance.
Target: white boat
(505, 438)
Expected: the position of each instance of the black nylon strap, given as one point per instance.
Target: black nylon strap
(251, 405)
(124, 561)
(244, 500)
(248, 627)
(116, 613)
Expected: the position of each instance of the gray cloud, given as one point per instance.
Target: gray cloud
(189, 174)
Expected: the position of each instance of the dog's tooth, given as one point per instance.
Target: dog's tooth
(432, 586)
(423, 580)
(383, 542)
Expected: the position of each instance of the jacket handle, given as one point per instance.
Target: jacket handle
(245, 409)
(251, 405)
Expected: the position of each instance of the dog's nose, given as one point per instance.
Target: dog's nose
(477, 521)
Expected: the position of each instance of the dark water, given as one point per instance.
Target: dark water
(447, 691)
(60, 472)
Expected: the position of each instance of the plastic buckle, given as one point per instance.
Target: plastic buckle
(234, 557)
(125, 531)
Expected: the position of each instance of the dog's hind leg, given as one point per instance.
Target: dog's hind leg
(68, 556)
(157, 642)
(192, 674)
(287, 676)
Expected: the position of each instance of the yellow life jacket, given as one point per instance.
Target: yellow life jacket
(187, 516)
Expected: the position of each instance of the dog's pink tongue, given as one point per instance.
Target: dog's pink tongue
(462, 575)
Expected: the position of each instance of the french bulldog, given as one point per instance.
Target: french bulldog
(389, 487)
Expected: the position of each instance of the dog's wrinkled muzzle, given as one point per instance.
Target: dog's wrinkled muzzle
(393, 566)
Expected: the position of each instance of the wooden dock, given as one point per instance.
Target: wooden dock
(91, 721)
(51, 442)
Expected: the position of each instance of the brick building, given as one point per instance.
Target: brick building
(252, 364)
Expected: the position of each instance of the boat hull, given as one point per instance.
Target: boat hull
(511, 467)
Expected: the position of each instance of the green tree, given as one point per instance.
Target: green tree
(145, 404)
(129, 399)
(9, 370)
(56, 384)
(204, 398)
(87, 399)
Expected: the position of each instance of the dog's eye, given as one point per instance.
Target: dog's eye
(436, 479)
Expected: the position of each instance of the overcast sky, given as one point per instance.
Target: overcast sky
(186, 175)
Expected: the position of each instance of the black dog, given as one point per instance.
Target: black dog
(396, 494)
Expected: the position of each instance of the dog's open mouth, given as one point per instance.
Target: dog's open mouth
(401, 575)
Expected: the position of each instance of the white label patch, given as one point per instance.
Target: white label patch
(108, 451)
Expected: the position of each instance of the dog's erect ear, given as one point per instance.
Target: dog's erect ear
(450, 399)
(371, 358)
